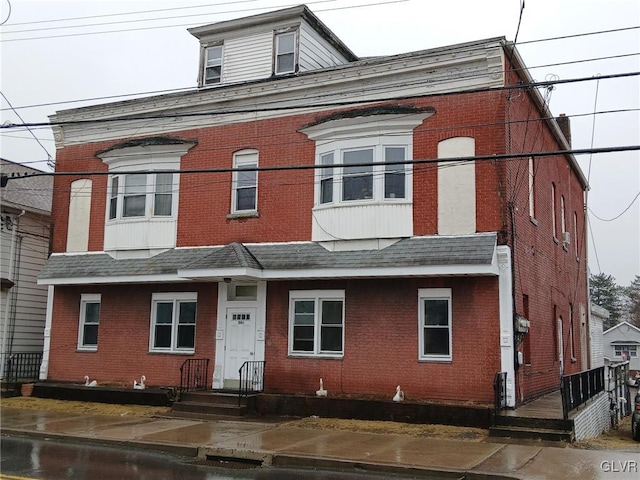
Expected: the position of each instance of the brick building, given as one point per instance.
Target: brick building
(373, 222)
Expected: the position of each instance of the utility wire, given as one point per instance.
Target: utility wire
(316, 105)
(620, 214)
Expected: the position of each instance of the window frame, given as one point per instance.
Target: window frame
(117, 202)
(251, 161)
(619, 349)
(85, 300)
(277, 54)
(434, 294)
(176, 299)
(207, 66)
(317, 296)
(379, 172)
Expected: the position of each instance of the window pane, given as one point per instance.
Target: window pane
(164, 182)
(357, 188)
(303, 338)
(286, 43)
(394, 185)
(247, 291)
(90, 335)
(92, 313)
(246, 179)
(436, 312)
(394, 154)
(113, 202)
(246, 199)
(331, 339)
(187, 312)
(212, 75)
(186, 336)
(134, 206)
(285, 63)
(304, 311)
(163, 336)
(332, 312)
(326, 190)
(162, 205)
(358, 156)
(214, 56)
(164, 313)
(135, 184)
(436, 341)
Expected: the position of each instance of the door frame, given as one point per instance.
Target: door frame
(224, 303)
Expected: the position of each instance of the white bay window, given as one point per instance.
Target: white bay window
(142, 195)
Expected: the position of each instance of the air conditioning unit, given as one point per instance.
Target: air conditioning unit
(566, 238)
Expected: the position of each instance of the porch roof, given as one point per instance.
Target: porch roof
(416, 256)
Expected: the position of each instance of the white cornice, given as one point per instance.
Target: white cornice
(461, 68)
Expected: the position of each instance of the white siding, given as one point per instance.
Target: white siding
(354, 222)
(79, 216)
(456, 187)
(140, 235)
(315, 52)
(26, 301)
(248, 58)
(596, 339)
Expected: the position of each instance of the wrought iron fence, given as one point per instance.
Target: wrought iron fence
(251, 378)
(21, 366)
(194, 373)
(576, 389)
(500, 391)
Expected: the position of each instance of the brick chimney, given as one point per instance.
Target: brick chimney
(565, 127)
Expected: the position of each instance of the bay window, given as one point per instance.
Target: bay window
(142, 195)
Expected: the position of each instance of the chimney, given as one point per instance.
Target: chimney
(565, 127)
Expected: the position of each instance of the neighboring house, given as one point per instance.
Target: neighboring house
(622, 342)
(598, 318)
(24, 245)
(330, 230)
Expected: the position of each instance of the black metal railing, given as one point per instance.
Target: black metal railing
(22, 367)
(500, 391)
(576, 389)
(251, 378)
(194, 373)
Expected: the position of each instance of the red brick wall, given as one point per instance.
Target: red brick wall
(123, 335)
(381, 342)
(551, 276)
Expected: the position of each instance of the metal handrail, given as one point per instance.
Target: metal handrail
(22, 366)
(194, 374)
(251, 378)
(576, 389)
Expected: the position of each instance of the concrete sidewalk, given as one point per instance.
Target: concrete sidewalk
(279, 443)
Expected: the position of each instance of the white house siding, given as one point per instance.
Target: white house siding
(314, 51)
(623, 333)
(598, 315)
(247, 58)
(23, 314)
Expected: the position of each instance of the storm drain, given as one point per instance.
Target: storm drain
(227, 462)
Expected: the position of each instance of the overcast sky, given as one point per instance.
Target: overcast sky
(153, 51)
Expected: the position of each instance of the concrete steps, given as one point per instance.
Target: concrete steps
(206, 404)
(532, 428)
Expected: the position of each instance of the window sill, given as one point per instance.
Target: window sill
(239, 215)
(87, 349)
(323, 356)
(364, 202)
(172, 352)
(436, 360)
(534, 221)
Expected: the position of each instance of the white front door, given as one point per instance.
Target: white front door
(240, 343)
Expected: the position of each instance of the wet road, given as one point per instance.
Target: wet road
(49, 460)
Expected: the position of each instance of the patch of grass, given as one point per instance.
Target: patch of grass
(92, 408)
(619, 439)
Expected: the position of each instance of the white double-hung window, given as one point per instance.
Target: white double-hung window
(89, 322)
(434, 320)
(316, 323)
(173, 322)
(131, 194)
(213, 65)
(285, 53)
(245, 182)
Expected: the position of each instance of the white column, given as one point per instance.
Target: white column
(505, 287)
(44, 366)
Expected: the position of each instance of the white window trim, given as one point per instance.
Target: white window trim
(85, 299)
(150, 198)
(276, 51)
(175, 297)
(252, 158)
(434, 294)
(316, 296)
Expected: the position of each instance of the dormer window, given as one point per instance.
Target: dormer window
(213, 65)
(285, 55)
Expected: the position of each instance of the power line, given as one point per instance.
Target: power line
(318, 105)
(492, 157)
(620, 214)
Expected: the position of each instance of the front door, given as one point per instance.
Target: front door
(240, 343)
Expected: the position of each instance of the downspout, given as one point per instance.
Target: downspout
(7, 307)
(44, 366)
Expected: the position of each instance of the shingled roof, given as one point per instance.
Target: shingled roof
(469, 254)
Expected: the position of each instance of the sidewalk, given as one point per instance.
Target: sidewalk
(275, 443)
